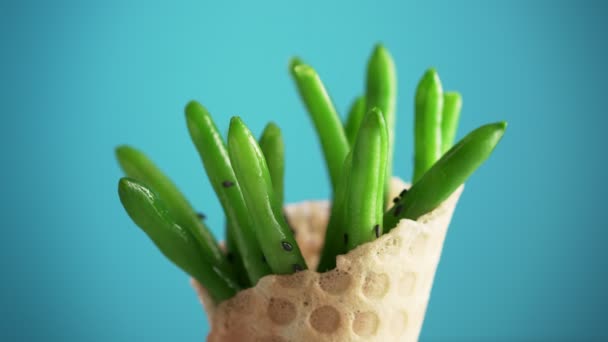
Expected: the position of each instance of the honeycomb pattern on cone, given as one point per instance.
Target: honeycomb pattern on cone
(378, 291)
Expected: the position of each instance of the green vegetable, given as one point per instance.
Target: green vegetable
(136, 165)
(364, 203)
(427, 126)
(335, 241)
(271, 143)
(381, 93)
(452, 170)
(272, 231)
(452, 104)
(248, 178)
(353, 121)
(324, 116)
(216, 161)
(148, 211)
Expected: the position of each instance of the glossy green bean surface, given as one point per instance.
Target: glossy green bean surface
(451, 171)
(427, 126)
(381, 93)
(452, 104)
(276, 239)
(335, 241)
(137, 165)
(273, 148)
(324, 117)
(353, 121)
(217, 164)
(363, 205)
(177, 243)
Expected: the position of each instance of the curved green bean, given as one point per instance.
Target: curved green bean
(353, 121)
(216, 162)
(427, 126)
(381, 93)
(148, 211)
(272, 231)
(452, 170)
(136, 165)
(273, 148)
(324, 116)
(335, 238)
(364, 202)
(452, 104)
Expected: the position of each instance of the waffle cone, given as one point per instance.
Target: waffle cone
(378, 291)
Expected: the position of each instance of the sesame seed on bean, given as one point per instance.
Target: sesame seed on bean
(286, 246)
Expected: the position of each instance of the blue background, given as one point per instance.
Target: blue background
(525, 257)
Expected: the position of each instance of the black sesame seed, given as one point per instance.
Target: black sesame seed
(377, 230)
(403, 192)
(227, 183)
(398, 209)
(396, 199)
(286, 246)
(297, 268)
(345, 238)
(201, 216)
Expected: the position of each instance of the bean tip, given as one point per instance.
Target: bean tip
(381, 53)
(294, 62)
(271, 129)
(192, 105)
(122, 150)
(236, 120)
(453, 95)
(236, 128)
(303, 71)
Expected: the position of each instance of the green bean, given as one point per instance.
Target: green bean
(428, 108)
(272, 231)
(452, 170)
(324, 116)
(381, 93)
(335, 241)
(452, 104)
(148, 211)
(364, 203)
(216, 162)
(353, 121)
(271, 143)
(136, 165)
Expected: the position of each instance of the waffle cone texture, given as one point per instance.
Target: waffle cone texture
(378, 291)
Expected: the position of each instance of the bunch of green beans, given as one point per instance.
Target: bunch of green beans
(247, 175)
